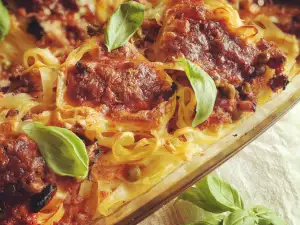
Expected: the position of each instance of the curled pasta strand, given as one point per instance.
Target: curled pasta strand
(187, 103)
(222, 10)
(123, 151)
(77, 53)
(54, 210)
(41, 58)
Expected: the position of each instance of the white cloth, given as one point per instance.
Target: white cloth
(266, 172)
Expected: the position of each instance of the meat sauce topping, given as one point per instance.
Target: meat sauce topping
(27, 185)
(76, 209)
(63, 15)
(234, 64)
(22, 173)
(118, 84)
(21, 82)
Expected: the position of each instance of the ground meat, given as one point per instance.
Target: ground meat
(68, 18)
(209, 43)
(26, 83)
(292, 27)
(21, 162)
(278, 82)
(120, 85)
(18, 214)
(33, 6)
(149, 32)
(22, 173)
(27, 185)
(76, 34)
(36, 6)
(76, 210)
(193, 32)
(20, 82)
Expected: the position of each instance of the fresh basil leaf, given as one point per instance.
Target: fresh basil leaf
(63, 151)
(211, 220)
(240, 217)
(4, 21)
(204, 88)
(214, 195)
(123, 24)
(267, 216)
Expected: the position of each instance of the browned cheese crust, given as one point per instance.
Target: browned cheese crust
(237, 67)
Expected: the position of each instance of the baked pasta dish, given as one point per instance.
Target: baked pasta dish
(101, 99)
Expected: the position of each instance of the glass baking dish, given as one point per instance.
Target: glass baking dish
(190, 172)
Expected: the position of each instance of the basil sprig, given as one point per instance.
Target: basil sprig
(204, 88)
(123, 24)
(240, 217)
(4, 21)
(214, 195)
(63, 151)
(267, 217)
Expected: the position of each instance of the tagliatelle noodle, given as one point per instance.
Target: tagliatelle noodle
(157, 152)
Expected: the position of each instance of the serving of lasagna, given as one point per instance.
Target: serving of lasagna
(102, 99)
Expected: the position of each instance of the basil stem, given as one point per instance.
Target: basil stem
(215, 219)
(240, 217)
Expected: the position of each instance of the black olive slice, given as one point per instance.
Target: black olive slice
(39, 200)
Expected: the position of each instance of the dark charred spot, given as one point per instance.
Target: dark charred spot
(82, 69)
(4, 89)
(75, 34)
(278, 82)
(31, 5)
(242, 94)
(296, 18)
(12, 112)
(174, 87)
(93, 31)
(79, 131)
(77, 128)
(35, 29)
(94, 155)
(2, 210)
(168, 94)
(70, 4)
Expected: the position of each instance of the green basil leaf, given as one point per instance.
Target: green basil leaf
(63, 151)
(267, 216)
(214, 195)
(211, 220)
(240, 217)
(204, 88)
(123, 24)
(4, 21)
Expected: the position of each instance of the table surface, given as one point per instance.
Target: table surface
(266, 172)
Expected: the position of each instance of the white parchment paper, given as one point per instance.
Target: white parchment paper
(266, 172)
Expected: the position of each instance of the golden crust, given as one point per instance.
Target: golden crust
(148, 119)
